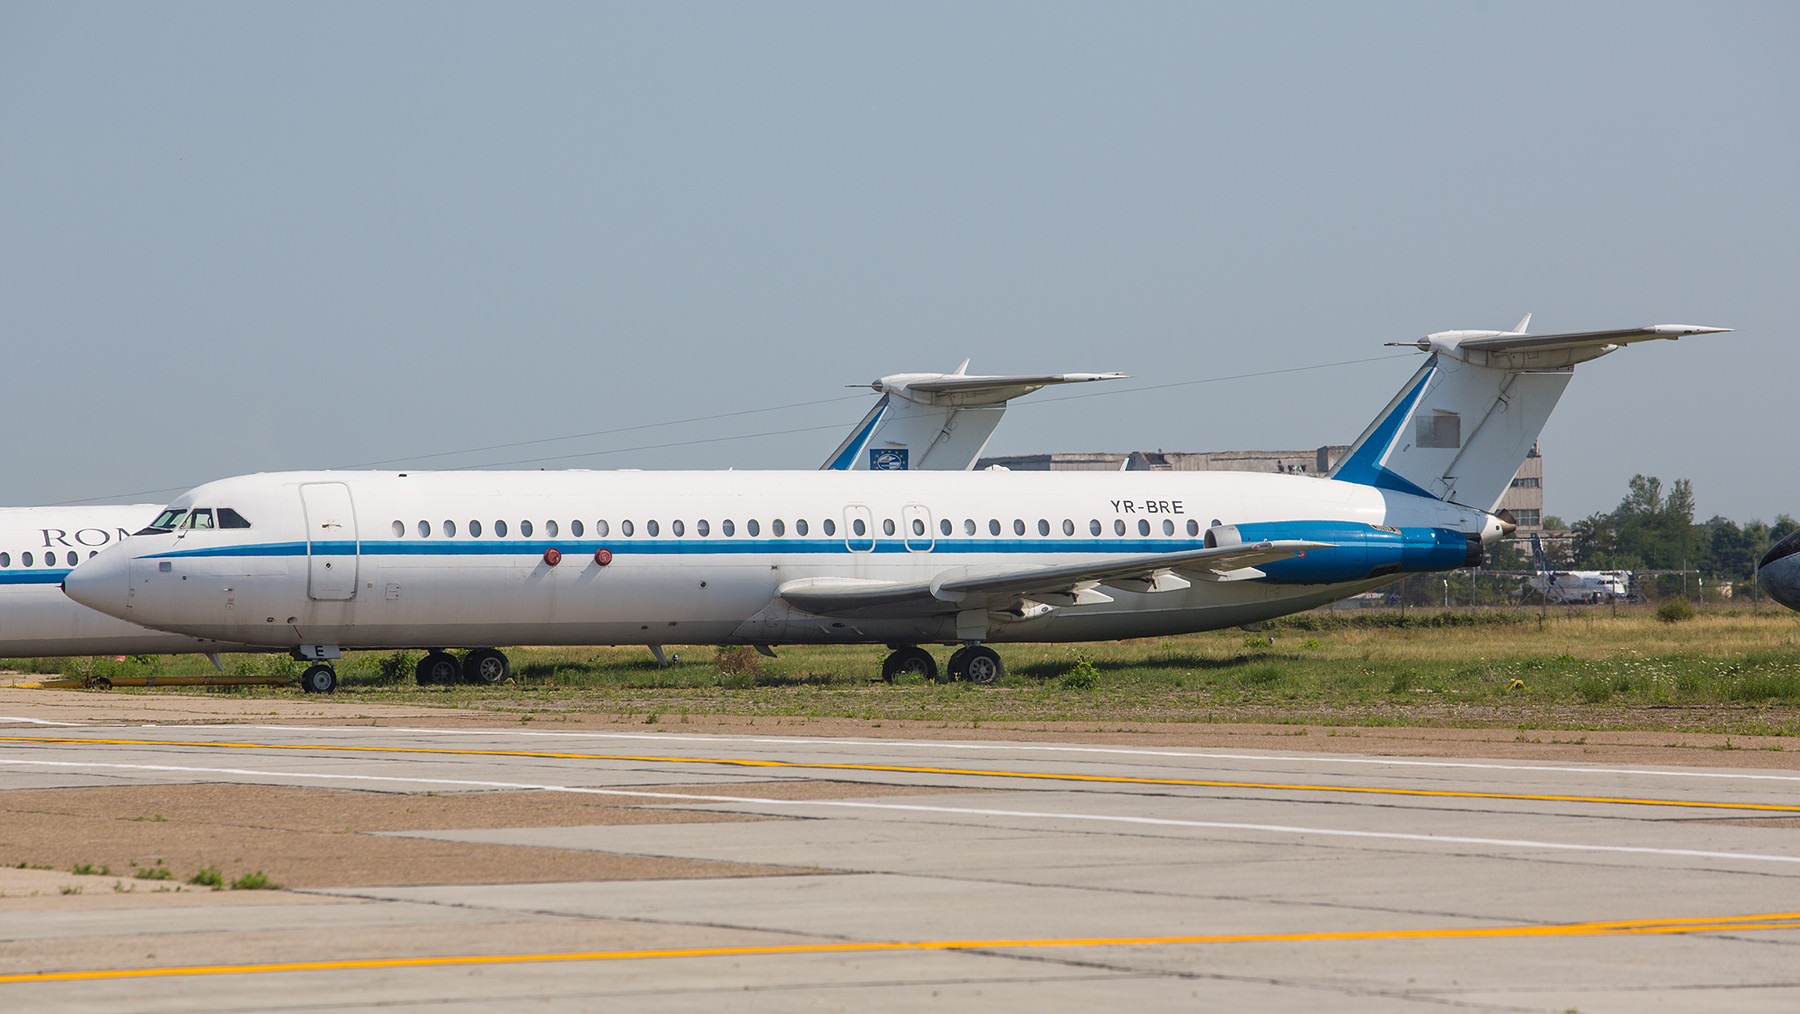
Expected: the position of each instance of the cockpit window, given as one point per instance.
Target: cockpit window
(229, 518)
(165, 522)
(201, 517)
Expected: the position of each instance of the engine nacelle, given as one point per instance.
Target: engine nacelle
(1357, 552)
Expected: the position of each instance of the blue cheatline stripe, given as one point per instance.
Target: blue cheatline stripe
(698, 547)
(45, 576)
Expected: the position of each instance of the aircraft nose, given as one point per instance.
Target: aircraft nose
(101, 582)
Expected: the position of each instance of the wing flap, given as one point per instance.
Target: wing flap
(958, 589)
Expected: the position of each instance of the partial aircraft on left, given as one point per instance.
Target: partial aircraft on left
(38, 548)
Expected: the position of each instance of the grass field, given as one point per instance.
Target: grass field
(1733, 670)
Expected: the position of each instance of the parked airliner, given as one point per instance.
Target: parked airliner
(335, 560)
(922, 420)
(1779, 571)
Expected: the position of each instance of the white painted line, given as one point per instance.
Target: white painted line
(1434, 839)
(41, 721)
(1003, 746)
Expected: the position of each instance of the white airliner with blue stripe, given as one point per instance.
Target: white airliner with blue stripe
(438, 560)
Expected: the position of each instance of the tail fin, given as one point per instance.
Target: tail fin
(1537, 555)
(937, 421)
(1463, 424)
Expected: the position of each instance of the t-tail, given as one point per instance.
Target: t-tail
(1538, 557)
(1463, 424)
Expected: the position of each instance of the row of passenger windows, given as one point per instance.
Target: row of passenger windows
(50, 560)
(779, 528)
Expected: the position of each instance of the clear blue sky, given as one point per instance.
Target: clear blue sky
(246, 237)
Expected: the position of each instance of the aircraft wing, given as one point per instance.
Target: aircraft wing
(961, 588)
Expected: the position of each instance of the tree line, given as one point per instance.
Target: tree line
(1652, 528)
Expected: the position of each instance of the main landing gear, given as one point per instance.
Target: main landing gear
(976, 663)
(482, 665)
(319, 678)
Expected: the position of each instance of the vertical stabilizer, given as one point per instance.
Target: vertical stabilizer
(1463, 424)
(937, 421)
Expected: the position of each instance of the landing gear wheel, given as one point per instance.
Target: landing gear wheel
(957, 665)
(438, 667)
(977, 664)
(486, 665)
(981, 664)
(319, 679)
(911, 660)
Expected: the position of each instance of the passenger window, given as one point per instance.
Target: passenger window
(1094, 527)
(601, 528)
(1119, 527)
(424, 529)
(26, 558)
(728, 528)
(799, 526)
(229, 518)
(777, 529)
(652, 529)
(702, 528)
(525, 530)
(625, 528)
(993, 526)
(1018, 526)
(918, 526)
(856, 526)
(1043, 527)
(50, 559)
(677, 528)
(1168, 527)
(575, 528)
(93, 553)
(5, 559)
(499, 529)
(550, 529)
(752, 528)
(1143, 527)
(1193, 527)
(887, 526)
(968, 526)
(399, 530)
(830, 527)
(945, 526)
(474, 529)
(1068, 526)
(449, 529)
(73, 558)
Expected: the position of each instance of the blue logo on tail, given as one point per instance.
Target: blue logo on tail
(887, 459)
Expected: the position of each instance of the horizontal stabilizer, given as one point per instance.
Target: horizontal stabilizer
(1515, 341)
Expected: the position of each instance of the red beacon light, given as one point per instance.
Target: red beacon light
(552, 556)
(602, 556)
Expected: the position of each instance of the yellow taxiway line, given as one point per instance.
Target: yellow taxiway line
(920, 770)
(1713, 924)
